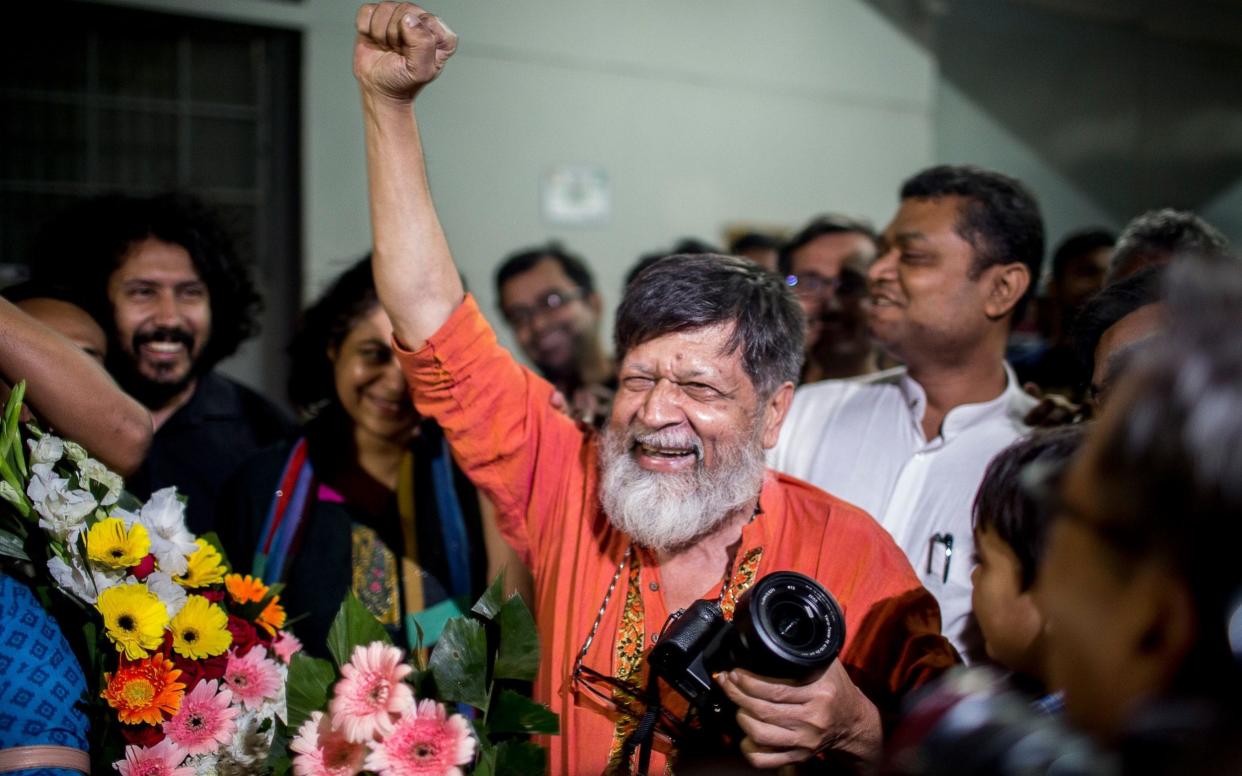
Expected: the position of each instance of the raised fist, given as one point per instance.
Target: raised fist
(400, 49)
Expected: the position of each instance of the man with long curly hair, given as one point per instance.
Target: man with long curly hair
(165, 281)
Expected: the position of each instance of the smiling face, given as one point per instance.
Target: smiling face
(552, 320)
(162, 312)
(684, 446)
(836, 322)
(924, 303)
(369, 383)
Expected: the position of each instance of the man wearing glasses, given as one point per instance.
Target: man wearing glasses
(826, 266)
(548, 297)
(671, 503)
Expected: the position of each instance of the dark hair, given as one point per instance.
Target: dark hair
(85, 244)
(1078, 244)
(1162, 234)
(686, 246)
(522, 261)
(1105, 309)
(1000, 218)
(683, 292)
(1003, 505)
(829, 223)
(753, 241)
(324, 325)
(1169, 470)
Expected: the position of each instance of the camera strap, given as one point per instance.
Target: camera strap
(643, 735)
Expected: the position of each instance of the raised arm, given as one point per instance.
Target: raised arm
(67, 389)
(400, 49)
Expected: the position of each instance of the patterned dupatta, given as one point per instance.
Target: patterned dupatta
(391, 588)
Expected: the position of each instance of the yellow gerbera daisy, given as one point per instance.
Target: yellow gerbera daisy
(111, 544)
(206, 567)
(200, 629)
(134, 619)
(245, 590)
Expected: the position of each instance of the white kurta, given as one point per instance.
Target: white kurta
(862, 441)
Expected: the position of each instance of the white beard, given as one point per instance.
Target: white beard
(666, 511)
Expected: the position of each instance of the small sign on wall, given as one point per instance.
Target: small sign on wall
(575, 195)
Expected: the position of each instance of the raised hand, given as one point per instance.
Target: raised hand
(400, 48)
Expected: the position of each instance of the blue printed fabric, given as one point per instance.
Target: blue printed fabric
(40, 679)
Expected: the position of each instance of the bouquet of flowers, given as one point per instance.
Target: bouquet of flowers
(370, 710)
(186, 663)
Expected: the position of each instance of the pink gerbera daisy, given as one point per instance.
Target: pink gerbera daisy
(323, 751)
(205, 720)
(425, 743)
(286, 646)
(159, 760)
(370, 691)
(253, 678)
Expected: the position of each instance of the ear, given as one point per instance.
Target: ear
(774, 412)
(1161, 626)
(1005, 285)
(333, 351)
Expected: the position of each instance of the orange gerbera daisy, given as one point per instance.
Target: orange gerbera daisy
(144, 690)
(245, 590)
(272, 616)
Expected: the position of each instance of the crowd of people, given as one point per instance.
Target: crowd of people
(983, 466)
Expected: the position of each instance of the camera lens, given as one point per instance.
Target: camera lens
(788, 626)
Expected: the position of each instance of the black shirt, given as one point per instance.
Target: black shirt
(200, 446)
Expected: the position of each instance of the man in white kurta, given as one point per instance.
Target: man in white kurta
(910, 445)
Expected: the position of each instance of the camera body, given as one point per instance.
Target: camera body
(786, 626)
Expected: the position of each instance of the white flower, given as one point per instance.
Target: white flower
(47, 450)
(162, 586)
(75, 451)
(62, 511)
(90, 470)
(203, 765)
(74, 579)
(164, 518)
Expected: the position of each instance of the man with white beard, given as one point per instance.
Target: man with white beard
(673, 504)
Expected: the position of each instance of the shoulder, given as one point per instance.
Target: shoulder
(828, 395)
(809, 504)
(228, 396)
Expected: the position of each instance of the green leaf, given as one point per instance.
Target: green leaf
(278, 760)
(354, 625)
(12, 546)
(459, 663)
(489, 604)
(518, 655)
(512, 712)
(307, 690)
(486, 764)
(521, 758)
(11, 439)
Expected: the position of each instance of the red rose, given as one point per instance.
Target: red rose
(244, 635)
(143, 568)
(195, 671)
(142, 735)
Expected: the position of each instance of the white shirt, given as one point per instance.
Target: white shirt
(862, 440)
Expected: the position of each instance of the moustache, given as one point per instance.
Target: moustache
(164, 334)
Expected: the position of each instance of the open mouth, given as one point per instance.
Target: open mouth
(668, 452)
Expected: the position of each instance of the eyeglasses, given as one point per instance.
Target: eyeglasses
(613, 695)
(846, 284)
(522, 315)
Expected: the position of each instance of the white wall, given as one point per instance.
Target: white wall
(702, 112)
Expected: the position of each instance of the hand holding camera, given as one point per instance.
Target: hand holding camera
(774, 670)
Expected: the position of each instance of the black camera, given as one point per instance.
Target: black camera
(786, 626)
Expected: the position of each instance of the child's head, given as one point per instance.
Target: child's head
(1010, 528)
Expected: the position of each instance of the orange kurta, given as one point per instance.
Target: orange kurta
(539, 469)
